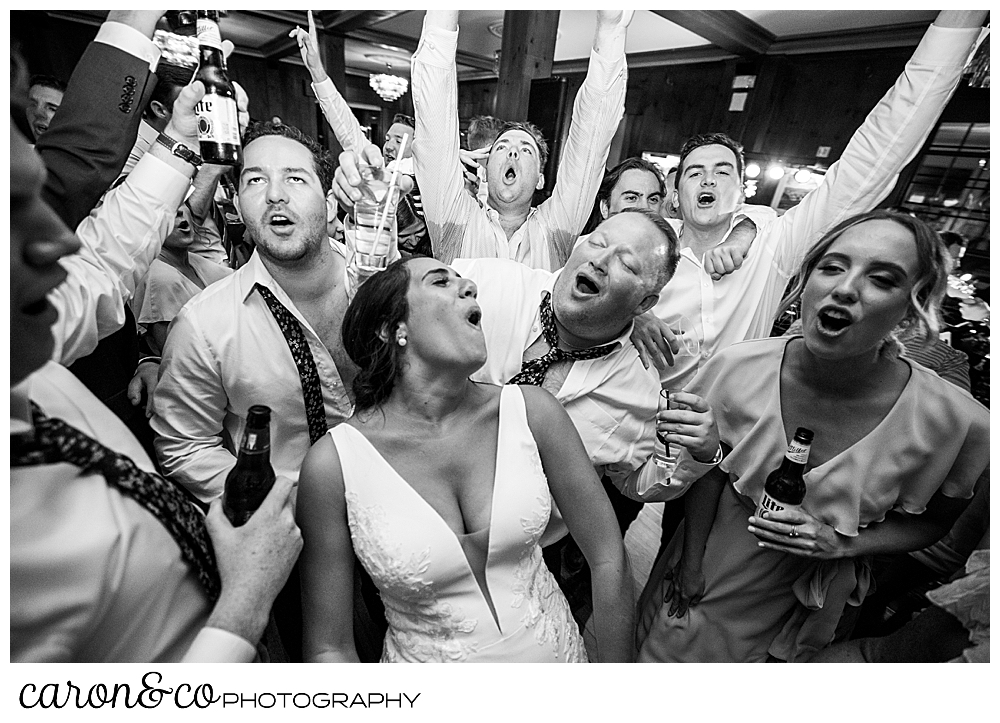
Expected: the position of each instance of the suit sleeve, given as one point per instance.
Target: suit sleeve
(88, 142)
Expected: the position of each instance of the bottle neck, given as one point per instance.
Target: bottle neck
(256, 441)
(796, 457)
(209, 35)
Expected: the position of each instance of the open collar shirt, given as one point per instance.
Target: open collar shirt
(742, 304)
(225, 352)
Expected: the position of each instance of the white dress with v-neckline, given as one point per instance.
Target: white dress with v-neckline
(435, 608)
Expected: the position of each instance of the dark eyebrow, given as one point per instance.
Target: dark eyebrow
(695, 165)
(725, 163)
(438, 271)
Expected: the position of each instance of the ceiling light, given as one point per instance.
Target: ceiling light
(753, 170)
(388, 87)
(802, 176)
(776, 173)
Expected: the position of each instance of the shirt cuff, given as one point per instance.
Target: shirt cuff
(325, 88)
(438, 47)
(945, 47)
(159, 179)
(689, 469)
(129, 40)
(215, 645)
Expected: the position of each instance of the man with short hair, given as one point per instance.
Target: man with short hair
(45, 94)
(269, 334)
(742, 304)
(402, 125)
(508, 227)
(108, 562)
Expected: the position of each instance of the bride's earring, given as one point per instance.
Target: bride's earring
(401, 340)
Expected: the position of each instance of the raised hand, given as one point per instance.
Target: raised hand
(309, 49)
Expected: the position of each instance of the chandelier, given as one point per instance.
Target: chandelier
(389, 87)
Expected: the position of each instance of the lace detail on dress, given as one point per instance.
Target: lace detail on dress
(547, 612)
(420, 625)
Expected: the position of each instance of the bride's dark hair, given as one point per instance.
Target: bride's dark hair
(369, 333)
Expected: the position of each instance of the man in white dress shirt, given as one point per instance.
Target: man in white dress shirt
(95, 576)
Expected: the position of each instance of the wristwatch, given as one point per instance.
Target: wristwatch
(179, 149)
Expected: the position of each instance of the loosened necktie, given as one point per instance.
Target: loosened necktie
(533, 371)
(312, 392)
(56, 441)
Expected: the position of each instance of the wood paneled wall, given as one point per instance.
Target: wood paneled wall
(799, 102)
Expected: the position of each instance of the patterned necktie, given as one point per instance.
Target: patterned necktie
(312, 392)
(533, 372)
(56, 441)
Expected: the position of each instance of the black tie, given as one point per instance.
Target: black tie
(56, 441)
(312, 392)
(533, 372)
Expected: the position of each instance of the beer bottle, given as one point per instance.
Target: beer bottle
(252, 478)
(784, 488)
(218, 117)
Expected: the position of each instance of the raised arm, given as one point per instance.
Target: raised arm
(91, 134)
(436, 160)
(327, 566)
(335, 109)
(121, 238)
(597, 111)
(892, 134)
(587, 511)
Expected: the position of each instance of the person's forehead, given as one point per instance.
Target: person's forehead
(399, 129)
(420, 266)
(879, 241)
(516, 135)
(631, 230)
(637, 179)
(44, 92)
(277, 151)
(710, 155)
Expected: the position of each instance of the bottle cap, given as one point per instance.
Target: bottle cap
(803, 434)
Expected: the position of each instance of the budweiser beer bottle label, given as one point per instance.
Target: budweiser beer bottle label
(217, 120)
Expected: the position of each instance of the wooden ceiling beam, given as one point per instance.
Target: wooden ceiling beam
(727, 29)
(407, 44)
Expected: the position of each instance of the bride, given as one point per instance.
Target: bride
(443, 487)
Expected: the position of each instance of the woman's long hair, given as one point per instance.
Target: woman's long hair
(933, 265)
(369, 334)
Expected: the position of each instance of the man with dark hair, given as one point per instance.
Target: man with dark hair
(269, 334)
(632, 183)
(213, 366)
(709, 194)
(402, 125)
(508, 227)
(45, 94)
(108, 562)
